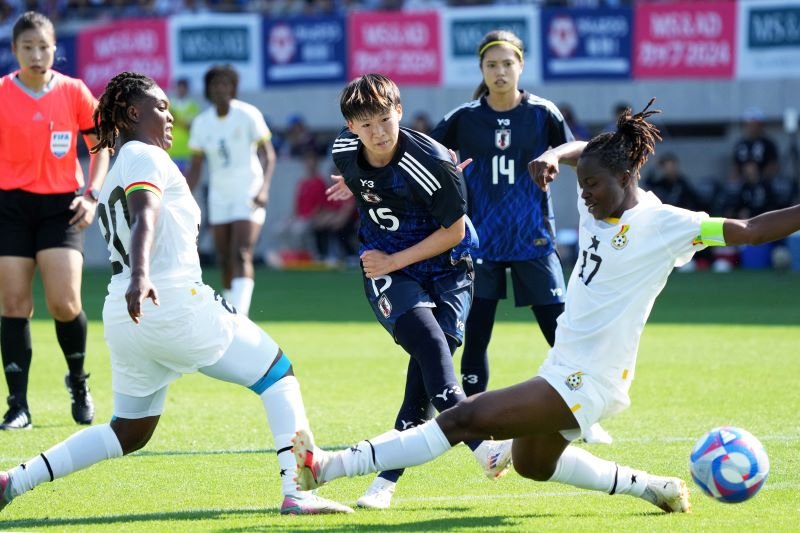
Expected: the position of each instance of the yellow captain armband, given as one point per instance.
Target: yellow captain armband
(711, 232)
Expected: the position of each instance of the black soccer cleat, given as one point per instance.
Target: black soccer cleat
(17, 417)
(82, 403)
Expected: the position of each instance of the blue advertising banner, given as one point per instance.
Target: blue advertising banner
(304, 50)
(586, 43)
(64, 61)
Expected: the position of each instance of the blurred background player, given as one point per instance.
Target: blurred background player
(235, 140)
(186, 328)
(415, 249)
(41, 218)
(183, 108)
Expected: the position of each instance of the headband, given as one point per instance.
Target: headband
(493, 43)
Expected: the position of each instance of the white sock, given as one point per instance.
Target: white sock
(82, 449)
(241, 294)
(285, 415)
(390, 451)
(579, 468)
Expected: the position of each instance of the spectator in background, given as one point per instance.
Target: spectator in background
(755, 147)
(671, 186)
(318, 223)
(422, 123)
(617, 110)
(298, 138)
(235, 140)
(579, 130)
(183, 108)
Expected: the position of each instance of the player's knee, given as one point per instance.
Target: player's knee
(244, 254)
(133, 435)
(64, 311)
(464, 417)
(533, 468)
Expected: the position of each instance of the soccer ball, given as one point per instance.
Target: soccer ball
(729, 464)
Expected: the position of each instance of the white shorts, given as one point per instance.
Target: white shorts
(245, 362)
(590, 399)
(224, 210)
(191, 329)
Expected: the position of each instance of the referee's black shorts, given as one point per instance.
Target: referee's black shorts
(31, 222)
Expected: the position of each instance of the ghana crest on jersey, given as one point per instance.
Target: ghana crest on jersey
(514, 218)
(400, 204)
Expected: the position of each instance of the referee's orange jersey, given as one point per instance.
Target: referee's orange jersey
(38, 135)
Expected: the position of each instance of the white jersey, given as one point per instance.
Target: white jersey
(229, 144)
(174, 260)
(621, 268)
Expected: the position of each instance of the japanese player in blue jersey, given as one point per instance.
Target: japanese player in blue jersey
(501, 130)
(415, 245)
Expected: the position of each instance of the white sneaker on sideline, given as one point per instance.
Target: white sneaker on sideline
(668, 493)
(310, 460)
(309, 503)
(378, 495)
(597, 435)
(494, 457)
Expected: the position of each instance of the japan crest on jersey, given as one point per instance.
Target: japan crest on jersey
(502, 138)
(385, 306)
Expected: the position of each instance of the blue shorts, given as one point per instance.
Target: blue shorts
(449, 296)
(536, 281)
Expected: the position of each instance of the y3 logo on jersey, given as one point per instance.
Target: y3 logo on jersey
(369, 184)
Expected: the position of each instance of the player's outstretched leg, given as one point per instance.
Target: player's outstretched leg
(579, 468)
(395, 449)
(243, 363)
(81, 450)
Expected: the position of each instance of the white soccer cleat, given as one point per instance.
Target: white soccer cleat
(310, 460)
(668, 493)
(597, 435)
(310, 503)
(378, 495)
(494, 457)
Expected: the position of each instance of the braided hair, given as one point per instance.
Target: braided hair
(111, 115)
(628, 148)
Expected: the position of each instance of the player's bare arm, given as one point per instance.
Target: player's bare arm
(143, 207)
(766, 227)
(266, 154)
(544, 168)
(85, 205)
(339, 190)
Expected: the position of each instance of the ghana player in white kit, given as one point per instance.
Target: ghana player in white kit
(160, 319)
(234, 139)
(629, 244)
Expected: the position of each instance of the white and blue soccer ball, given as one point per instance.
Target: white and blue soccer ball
(729, 464)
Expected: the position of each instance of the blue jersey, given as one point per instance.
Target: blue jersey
(514, 218)
(402, 203)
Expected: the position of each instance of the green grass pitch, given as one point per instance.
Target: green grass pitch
(719, 350)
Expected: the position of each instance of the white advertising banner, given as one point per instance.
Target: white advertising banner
(199, 41)
(463, 29)
(768, 39)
